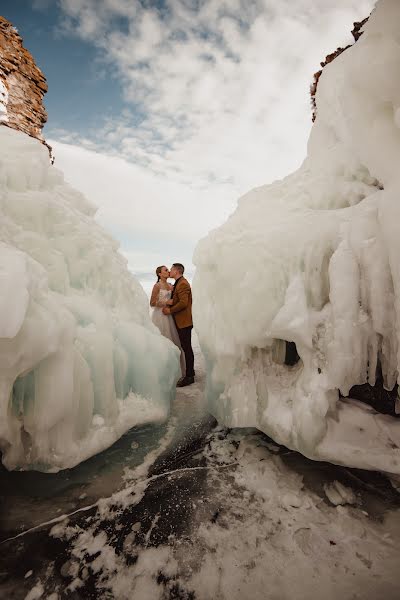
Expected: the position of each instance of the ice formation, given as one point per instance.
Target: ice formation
(80, 361)
(314, 259)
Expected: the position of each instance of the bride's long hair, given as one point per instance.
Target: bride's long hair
(158, 271)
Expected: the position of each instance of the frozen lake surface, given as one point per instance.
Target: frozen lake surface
(193, 510)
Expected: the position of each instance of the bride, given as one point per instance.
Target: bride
(162, 291)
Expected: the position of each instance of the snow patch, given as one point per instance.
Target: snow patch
(36, 592)
(3, 102)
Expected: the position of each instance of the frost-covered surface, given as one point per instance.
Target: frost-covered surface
(314, 259)
(255, 531)
(212, 514)
(80, 361)
(3, 102)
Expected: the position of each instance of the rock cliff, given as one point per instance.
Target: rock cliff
(357, 33)
(22, 85)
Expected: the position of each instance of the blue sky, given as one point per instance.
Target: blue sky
(163, 114)
(79, 82)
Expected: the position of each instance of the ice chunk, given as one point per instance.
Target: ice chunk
(80, 360)
(316, 259)
(337, 493)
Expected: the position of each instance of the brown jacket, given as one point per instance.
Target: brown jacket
(182, 304)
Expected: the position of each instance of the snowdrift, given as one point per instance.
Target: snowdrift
(314, 259)
(80, 360)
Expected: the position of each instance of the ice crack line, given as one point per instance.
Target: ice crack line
(86, 508)
(51, 522)
(187, 469)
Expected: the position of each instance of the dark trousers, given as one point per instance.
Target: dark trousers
(185, 337)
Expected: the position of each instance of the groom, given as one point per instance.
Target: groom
(180, 306)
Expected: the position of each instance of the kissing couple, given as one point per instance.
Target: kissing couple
(173, 315)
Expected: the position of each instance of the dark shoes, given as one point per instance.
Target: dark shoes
(184, 381)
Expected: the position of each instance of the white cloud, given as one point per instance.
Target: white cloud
(217, 82)
(150, 215)
(217, 102)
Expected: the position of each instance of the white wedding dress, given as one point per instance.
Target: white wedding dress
(166, 324)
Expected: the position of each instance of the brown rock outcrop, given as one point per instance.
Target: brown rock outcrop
(22, 85)
(357, 33)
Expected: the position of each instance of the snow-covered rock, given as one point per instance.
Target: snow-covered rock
(80, 360)
(314, 259)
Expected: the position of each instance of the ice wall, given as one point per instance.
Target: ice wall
(314, 259)
(80, 360)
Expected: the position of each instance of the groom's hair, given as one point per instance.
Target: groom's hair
(180, 267)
